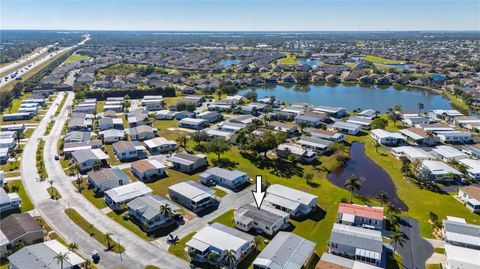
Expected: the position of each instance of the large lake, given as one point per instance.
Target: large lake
(353, 96)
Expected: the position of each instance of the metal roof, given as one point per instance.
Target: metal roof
(357, 237)
(286, 251)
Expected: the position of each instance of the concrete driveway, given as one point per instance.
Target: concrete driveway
(416, 250)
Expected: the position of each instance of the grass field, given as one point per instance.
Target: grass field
(17, 102)
(289, 60)
(112, 159)
(93, 231)
(380, 60)
(73, 58)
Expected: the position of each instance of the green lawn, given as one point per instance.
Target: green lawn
(100, 105)
(26, 203)
(179, 248)
(381, 60)
(10, 166)
(54, 193)
(112, 159)
(73, 58)
(59, 108)
(439, 250)
(419, 201)
(289, 60)
(17, 102)
(219, 192)
(129, 225)
(94, 198)
(456, 102)
(434, 266)
(173, 177)
(92, 230)
(39, 157)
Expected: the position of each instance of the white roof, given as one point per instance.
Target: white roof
(461, 220)
(449, 152)
(473, 165)
(289, 194)
(466, 256)
(218, 237)
(386, 134)
(158, 141)
(412, 152)
(439, 168)
(192, 190)
(128, 192)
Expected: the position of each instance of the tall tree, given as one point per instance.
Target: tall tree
(398, 238)
(166, 211)
(383, 198)
(353, 183)
(182, 142)
(217, 146)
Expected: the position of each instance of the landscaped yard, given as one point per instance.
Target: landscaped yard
(10, 166)
(93, 231)
(129, 225)
(94, 198)
(179, 248)
(26, 204)
(112, 159)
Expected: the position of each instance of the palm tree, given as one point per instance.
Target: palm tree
(108, 238)
(376, 145)
(420, 107)
(383, 197)
(302, 126)
(212, 257)
(397, 107)
(182, 142)
(73, 246)
(352, 183)
(165, 210)
(60, 258)
(397, 237)
(229, 257)
(97, 164)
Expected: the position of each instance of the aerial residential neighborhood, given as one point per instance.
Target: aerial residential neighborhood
(194, 141)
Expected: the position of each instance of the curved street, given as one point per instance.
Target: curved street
(138, 252)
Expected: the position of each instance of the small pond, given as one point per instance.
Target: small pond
(310, 62)
(375, 179)
(228, 62)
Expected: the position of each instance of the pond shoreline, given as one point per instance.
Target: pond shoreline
(376, 179)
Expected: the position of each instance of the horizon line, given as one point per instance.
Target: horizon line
(242, 31)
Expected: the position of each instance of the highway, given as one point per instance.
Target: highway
(20, 72)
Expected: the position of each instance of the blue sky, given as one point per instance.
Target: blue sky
(247, 15)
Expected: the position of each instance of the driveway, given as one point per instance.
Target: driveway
(416, 250)
(138, 252)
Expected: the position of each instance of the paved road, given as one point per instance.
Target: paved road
(24, 60)
(416, 250)
(139, 252)
(24, 70)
